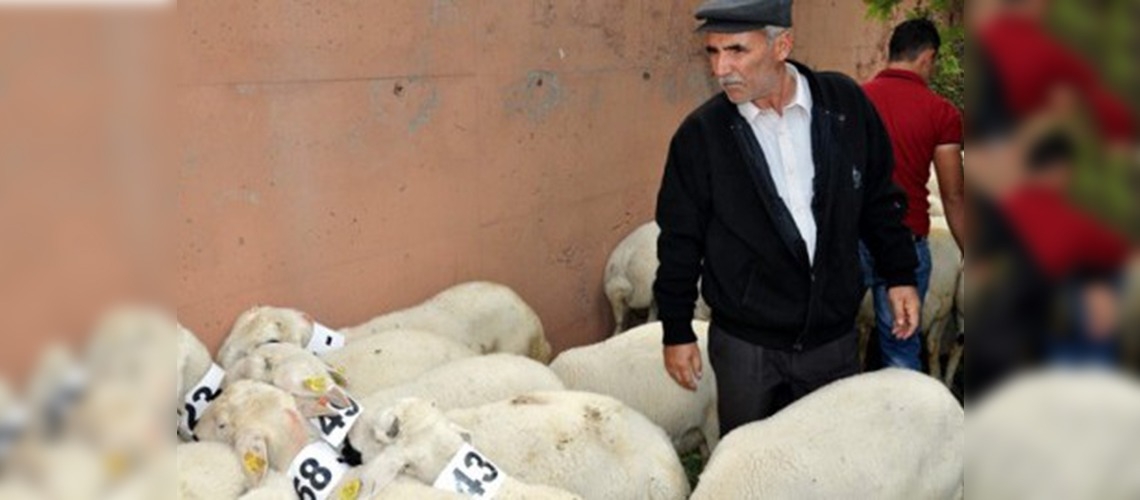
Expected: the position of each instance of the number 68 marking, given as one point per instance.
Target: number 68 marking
(318, 478)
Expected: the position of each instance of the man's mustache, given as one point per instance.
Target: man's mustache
(730, 80)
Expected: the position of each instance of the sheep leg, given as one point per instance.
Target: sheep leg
(619, 311)
(934, 347)
(710, 429)
(864, 339)
(955, 359)
(652, 312)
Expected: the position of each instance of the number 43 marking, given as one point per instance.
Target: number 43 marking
(465, 484)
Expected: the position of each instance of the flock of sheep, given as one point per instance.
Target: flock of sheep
(458, 397)
(451, 398)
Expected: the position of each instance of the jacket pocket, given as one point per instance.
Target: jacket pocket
(766, 301)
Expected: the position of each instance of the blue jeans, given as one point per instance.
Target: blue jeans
(1077, 346)
(895, 352)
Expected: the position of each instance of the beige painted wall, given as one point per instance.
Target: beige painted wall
(352, 157)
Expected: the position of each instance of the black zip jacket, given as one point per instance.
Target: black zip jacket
(722, 221)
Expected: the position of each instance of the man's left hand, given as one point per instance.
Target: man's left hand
(905, 306)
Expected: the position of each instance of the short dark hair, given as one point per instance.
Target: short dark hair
(1054, 149)
(912, 37)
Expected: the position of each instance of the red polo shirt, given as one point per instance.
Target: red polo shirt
(1062, 239)
(1030, 64)
(917, 120)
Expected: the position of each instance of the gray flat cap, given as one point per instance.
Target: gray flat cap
(735, 16)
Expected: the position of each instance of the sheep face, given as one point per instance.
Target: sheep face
(412, 437)
(261, 422)
(263, 325)
(295, 370)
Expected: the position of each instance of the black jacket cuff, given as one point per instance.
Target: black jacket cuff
(678, 332)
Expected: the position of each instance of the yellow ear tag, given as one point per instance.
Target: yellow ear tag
(350, 491)
(253, 463)
(116, 465)
(317, 385)
(338, 377)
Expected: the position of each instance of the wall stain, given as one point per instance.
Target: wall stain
(441, 9)
(535, 97)
(425, 111)
(542, 13)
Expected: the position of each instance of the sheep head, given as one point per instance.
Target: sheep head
(412, 437)
(262, 325)
(261, 422)
(295, 370)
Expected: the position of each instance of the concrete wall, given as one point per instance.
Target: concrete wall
(352, 157)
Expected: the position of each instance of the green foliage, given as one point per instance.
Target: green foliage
(950, 78)
(1104, 34)
(881, 9)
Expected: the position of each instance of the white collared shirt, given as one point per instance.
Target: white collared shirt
(786, 142)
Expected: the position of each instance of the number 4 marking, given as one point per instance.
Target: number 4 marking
(464, 484)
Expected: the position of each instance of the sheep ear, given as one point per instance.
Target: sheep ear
(338, 397)
(313, 408)
(384, 431)
(463, 433)
(254, 452)
(394, 429)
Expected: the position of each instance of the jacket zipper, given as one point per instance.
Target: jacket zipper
(819, 130)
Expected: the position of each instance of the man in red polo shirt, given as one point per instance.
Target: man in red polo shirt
(923, 128)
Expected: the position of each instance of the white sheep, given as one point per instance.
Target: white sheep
(63, 469)
(890, 434)
(418, 440)
(275, 487)
(298, 372)
(268, 431)
(393, 357)
(213, 471)
(56, 384)
(199, 381)
(1056, 434)
(935, 197)
(588, 444)
(209, 471)
(485, 317)
(13, 421)
(630, 368)
(938, 306)
(470, 382)
(630, 273)
(16, 488)
(958, 348)
(367, 363)
(123, 425)
(134, 346)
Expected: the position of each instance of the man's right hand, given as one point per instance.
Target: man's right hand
(683, 363)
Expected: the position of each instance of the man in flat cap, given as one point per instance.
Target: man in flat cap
(768, 188)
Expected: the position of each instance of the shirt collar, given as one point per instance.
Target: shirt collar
(901, 73)
(802, 98)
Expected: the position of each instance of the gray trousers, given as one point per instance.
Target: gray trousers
(752, 382)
